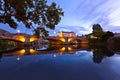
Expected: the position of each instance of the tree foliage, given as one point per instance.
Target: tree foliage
(40, 32)
(100, 34)
(107, 35)
(96, 28)
(32, 13)
(97, 31)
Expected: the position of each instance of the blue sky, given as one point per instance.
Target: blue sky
(80, 15)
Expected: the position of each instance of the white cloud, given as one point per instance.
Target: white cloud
(105, 12)
(80, 15)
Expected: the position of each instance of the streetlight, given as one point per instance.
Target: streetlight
(54, 33)
(18, 31)
(76, 34)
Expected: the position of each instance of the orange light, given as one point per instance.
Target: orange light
(33, 39)
(62, 39)
(20, 52)
(69, 49)
(32, 51)
(69, 39)
(21, 38)
(62, 49)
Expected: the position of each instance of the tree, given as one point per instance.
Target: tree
(40, 32)
(97, 31)
(34, 14)
(107, 35)
(96, 28)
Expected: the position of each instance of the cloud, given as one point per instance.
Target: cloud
(80, 15)
(89, 12)
(77, 29)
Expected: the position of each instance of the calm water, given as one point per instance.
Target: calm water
(63, 63)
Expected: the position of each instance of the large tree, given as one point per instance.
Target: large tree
(97, 28)
(36, 14)
(97, 31)
(107, 35)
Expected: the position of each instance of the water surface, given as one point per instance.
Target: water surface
(62, 64)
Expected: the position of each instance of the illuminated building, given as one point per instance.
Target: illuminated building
(66, 34)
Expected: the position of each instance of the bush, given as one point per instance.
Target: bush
(116, 41)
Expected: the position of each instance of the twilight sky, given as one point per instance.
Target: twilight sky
(80, 15)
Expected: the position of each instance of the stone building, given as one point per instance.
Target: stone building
(66, 34)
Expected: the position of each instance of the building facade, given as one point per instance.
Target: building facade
(66, 34)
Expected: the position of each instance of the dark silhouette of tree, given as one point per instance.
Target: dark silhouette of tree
(96, 28)
(32, 13)
(97, 31)
(101, 52)
(40, 32)
(98, 56)
(107, 35)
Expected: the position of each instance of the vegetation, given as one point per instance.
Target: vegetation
(103, 43)
(35, 14)
(98, 35)
(97, 30)
(115, 43)
(116, 39)
(107, 35)
(100, 52)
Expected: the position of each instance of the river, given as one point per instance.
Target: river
(60, 63)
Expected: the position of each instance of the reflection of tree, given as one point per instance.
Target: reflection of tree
(97, 56)
(100, 53)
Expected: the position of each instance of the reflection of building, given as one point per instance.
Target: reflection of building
(66, 34)
(53, 49)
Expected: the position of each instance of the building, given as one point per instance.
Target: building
(66, 34)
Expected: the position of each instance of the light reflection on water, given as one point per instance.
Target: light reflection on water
(60, 63)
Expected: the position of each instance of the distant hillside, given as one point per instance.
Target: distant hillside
(3, 32)
(6, 33)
